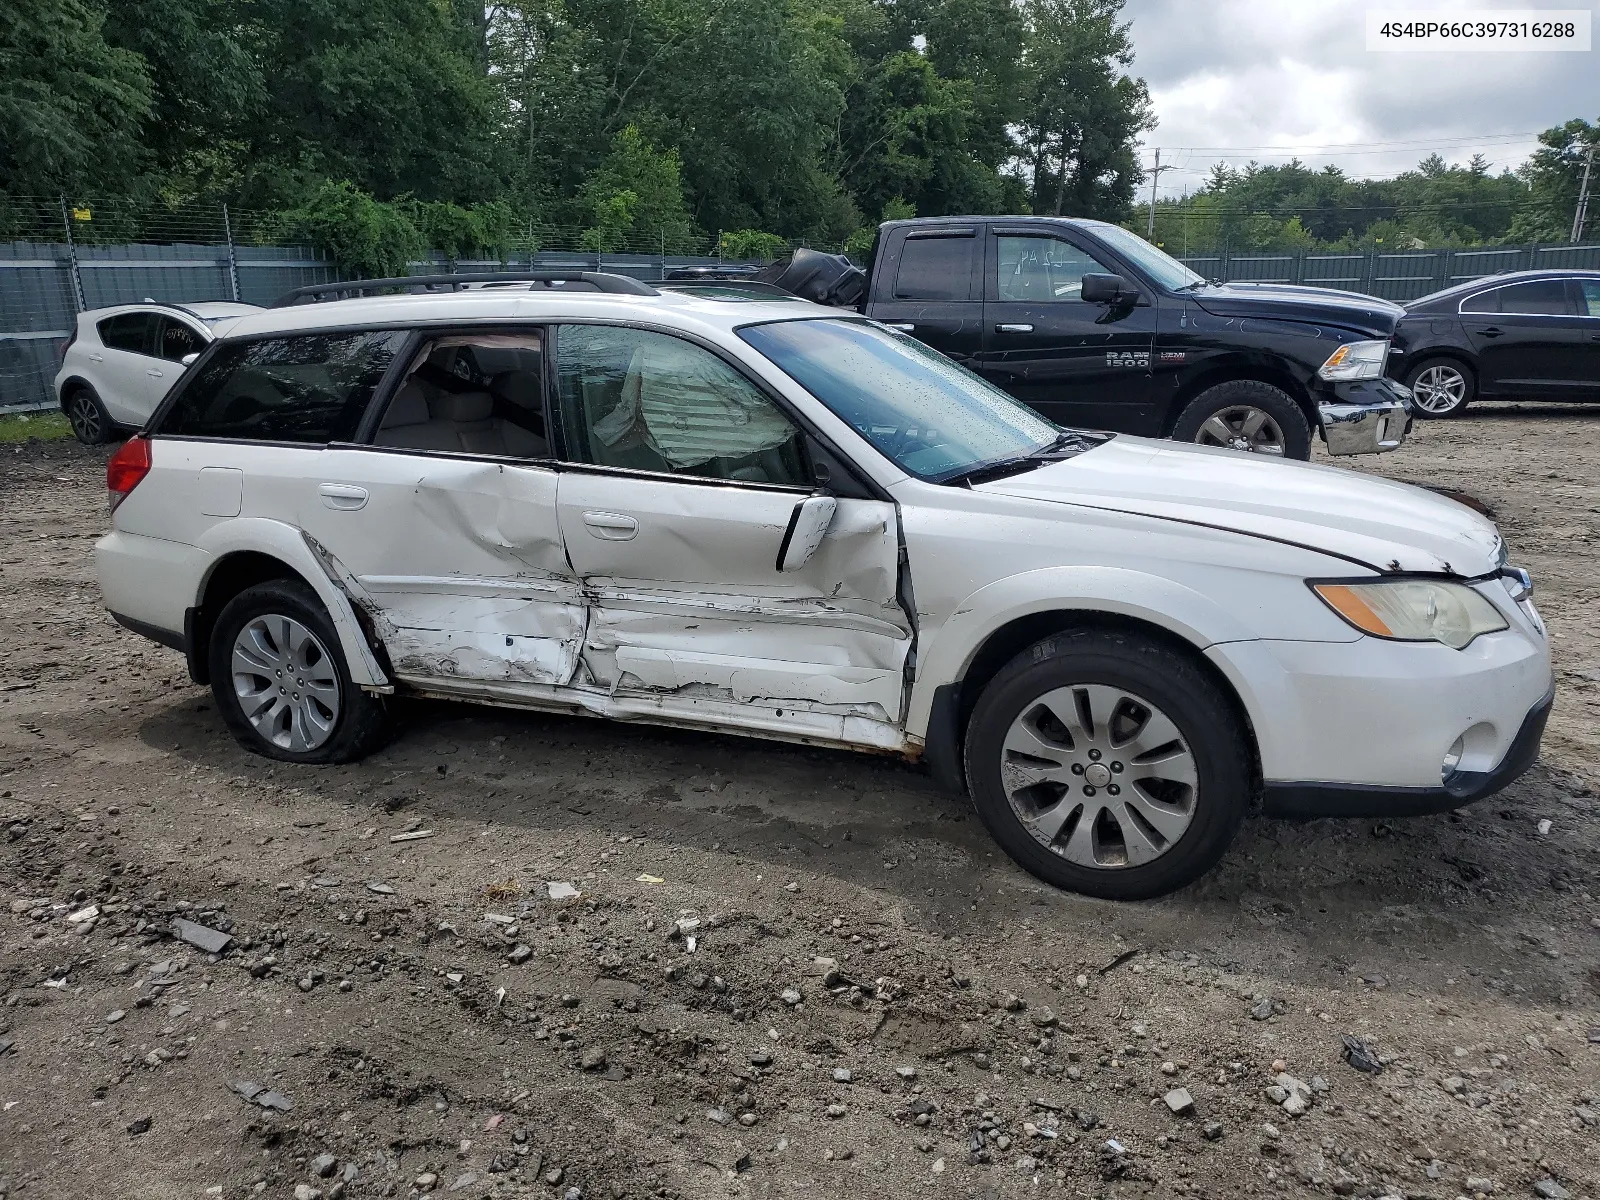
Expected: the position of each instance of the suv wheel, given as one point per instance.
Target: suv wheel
(1246, 414)
(281, 681)
(90, 422)
(1440, 387)
(1108, 764)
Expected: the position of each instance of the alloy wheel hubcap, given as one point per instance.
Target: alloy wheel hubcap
(1439, 389)
(286, 682)
(1100, 776)
(85, 419)
(1242, 427)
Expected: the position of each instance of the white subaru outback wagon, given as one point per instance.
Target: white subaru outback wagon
(715, 507)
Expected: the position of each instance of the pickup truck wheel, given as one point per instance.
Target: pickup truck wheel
(281, 681)
(1107, 764)
(90, 422)
(1441, 387)
(1246, 414)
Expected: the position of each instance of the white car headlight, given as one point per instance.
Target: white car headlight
(1414, 610)
(1355, 360)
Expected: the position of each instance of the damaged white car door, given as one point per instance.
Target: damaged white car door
(446, 538)
(722, 587)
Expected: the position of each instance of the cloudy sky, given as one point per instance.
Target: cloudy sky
(1266, 78)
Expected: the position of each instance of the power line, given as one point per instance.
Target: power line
(1433, 141)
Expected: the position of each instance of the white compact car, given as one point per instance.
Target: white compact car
(708, 506)
(120, 362)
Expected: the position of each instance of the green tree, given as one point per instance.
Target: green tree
(388, 94)
(1086, 113)
(635, 197)
(206, 85)
(1552, 176)
(70, 103)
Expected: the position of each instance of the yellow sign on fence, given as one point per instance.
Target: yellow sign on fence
(82, 214)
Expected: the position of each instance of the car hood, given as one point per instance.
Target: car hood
(1318, 306)
(1366, 520)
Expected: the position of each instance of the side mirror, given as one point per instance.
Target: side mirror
(1105, 289)
(188, 359)
(807, 525)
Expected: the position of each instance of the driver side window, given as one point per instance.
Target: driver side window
(1042, 269)
(651, 402)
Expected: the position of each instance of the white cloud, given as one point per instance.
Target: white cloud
(1269, 78)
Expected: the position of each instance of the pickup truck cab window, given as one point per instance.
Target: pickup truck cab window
(936, 268)
(1041, 268)
(931, 417)
(652, 402)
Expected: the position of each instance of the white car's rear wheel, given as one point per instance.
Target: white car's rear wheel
(281, 681)
(1108, 764)
(90, 422)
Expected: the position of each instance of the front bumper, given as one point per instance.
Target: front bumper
(1368, 417)
(1370, 800)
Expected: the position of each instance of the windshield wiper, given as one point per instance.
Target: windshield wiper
(994, 470)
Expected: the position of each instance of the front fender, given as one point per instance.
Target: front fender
(1123, 592)
(288, 544)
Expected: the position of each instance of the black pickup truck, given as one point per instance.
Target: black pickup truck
(1093, 326)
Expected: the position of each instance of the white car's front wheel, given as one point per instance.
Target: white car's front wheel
(1108, 764)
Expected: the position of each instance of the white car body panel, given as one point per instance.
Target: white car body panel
(521, 582)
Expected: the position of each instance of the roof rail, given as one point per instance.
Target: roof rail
(601, 281)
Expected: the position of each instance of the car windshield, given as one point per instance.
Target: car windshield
(934, 419)
(1153, 261)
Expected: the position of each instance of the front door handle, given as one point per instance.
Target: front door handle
(613, 527)
(902, 326)
(1013, 328)
(153, 373)
(1492, 331)
(342, 496)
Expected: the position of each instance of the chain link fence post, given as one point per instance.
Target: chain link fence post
(72, 259)
(233, 258)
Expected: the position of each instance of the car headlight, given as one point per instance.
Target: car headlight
(1355, 360)
(1414, 610)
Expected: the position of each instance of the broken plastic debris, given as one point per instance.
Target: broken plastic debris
(1115, 1146)
(691, 942)
(685, 924)
(93, 911)
(1544, 828)
(383, 889)
(649, 878)
(561, 891)
(254, 1093)
(412, 836)
(1361, 1056)
(212, 941)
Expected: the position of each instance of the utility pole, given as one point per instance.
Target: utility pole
(1155, 174)
(1582, 212)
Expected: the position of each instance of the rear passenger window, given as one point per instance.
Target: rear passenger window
(133, 332)
(311, 388)
(935, 268)
(1540, 297)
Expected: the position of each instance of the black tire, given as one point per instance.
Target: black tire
(361, 721)
(1236, 394)
(90, 422)
(1443, 367)
(1210, 733)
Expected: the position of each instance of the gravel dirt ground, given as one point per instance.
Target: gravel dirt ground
(873, 999)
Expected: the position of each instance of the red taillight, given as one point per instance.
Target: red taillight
(127, 467)
(61, 355)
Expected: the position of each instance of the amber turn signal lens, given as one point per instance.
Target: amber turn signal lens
(1350, 605)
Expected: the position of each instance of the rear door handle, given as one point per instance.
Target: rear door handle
(902, 326)
(342, 495)
(613, 527)
(1013, 328)
(1490, 332)
(96, 358)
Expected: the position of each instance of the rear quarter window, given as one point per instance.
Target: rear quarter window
(310, 388)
